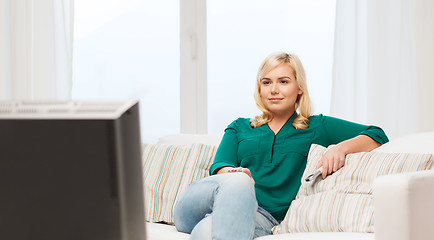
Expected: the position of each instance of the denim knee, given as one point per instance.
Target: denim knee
(239, 180)
(194, 203)
(227, 197)
(203, 230)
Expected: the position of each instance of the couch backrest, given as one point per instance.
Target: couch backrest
(413, 143)
(186, 139)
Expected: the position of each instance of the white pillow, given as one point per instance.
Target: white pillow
(167, 171)
(343, 201)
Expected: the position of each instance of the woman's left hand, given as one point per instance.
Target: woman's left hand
(244, 170)
(332, 160)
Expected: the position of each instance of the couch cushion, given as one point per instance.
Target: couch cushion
(156, 231)
(343, 201)
(167, 171)
(320, 236)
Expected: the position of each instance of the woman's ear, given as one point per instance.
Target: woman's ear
(299, 94)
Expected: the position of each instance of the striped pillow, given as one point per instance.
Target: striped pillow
(167, 170)
(343, 201)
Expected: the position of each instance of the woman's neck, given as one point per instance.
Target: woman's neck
(278, 121)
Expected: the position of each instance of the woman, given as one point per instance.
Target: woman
(258, 166)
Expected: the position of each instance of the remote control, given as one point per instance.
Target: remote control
(314, 175)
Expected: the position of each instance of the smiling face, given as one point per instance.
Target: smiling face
(279, 90)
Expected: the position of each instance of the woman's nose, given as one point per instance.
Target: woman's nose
(274, 88)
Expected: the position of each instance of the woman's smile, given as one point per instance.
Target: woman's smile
(275, 100)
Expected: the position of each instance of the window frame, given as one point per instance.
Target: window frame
(193, 64)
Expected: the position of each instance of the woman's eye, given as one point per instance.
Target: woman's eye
(265, 82)
(284, 81)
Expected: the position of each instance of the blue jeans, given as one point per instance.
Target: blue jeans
(222, 207)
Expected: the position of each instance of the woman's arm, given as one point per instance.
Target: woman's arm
(334, 158)
(226, 160)
(348, 137)
(227, 152)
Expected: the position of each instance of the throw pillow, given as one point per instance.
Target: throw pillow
(342, 202)
(167, 171)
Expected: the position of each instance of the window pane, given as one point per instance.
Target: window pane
(242, 33)
(127, 49)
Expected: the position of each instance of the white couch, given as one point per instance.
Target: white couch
(403, 203)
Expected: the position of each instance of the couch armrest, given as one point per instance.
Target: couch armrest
(404, 206)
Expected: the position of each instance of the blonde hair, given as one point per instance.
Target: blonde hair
(303, 102)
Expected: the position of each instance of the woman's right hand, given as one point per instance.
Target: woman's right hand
(237, 169)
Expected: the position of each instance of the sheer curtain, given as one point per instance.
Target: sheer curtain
(383, 58)
(35, 49)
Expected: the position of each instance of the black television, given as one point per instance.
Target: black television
(71, 170)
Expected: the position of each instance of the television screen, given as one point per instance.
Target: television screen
(71, 170)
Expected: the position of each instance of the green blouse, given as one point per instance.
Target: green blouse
(277, 162)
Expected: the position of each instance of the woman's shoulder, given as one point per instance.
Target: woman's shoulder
(324, 118)
(316, 118)
(321, 120)
(240, 123)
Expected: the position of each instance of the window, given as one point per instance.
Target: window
(130, 49)
(242, 33)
